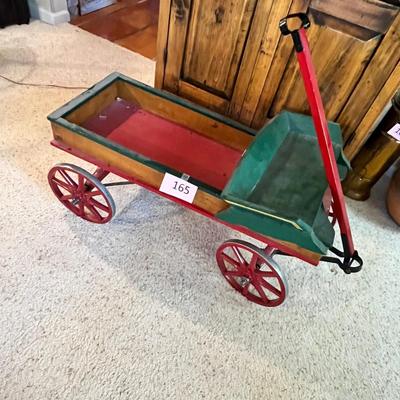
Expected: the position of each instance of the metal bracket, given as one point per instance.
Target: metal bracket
(283, 26)
(185, 177)
(346, 264)
(122, 183)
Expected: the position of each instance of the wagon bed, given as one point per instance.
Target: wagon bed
(165, 142)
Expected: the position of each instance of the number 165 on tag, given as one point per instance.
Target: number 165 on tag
(178, 187)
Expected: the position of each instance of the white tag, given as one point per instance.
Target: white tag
(395, 132)
(178, 187)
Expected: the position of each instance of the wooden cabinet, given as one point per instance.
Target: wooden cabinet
(230, 56)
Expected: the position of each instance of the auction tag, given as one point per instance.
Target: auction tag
(394, 132)
(178, 187)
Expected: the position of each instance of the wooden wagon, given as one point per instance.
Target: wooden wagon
(280, 185)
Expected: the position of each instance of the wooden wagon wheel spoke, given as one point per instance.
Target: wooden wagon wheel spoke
(93, 193)
(95, 213)
(67, 197)
(260, 291)
(67, 178)
(82, 188)
(97, 204)
(248, 278)
(96, 209)
(64, 185)
(269, 287)
(238, 255)
(231, 261)
(265, 274)
(81, 209)
(233, 273)
(253, 262)
(81, 182)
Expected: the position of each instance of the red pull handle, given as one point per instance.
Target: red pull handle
(307, 71)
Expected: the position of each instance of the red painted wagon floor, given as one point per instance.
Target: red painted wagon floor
(167, 143)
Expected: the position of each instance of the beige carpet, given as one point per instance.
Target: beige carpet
(137, 309)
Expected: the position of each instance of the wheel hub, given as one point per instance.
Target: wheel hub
(78, 197)
(249, 275)
(244, 281)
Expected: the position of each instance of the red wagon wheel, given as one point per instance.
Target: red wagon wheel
(253, 273)
(82, 193)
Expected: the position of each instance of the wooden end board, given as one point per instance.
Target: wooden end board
(221, 132)
(93, 105)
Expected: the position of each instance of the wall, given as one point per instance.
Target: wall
(50, 11)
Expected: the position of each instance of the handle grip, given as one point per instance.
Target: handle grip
(305, 23)
(283, 26)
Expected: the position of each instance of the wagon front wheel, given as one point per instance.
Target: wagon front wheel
(252, 272)
(82, 193)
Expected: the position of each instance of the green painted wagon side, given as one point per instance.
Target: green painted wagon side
(278, 187)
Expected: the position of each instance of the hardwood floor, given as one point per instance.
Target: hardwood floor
(129, 23)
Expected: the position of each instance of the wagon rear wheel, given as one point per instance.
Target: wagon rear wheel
(252, 272)
(82, 193)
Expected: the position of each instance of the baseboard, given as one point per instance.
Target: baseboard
(44, 15)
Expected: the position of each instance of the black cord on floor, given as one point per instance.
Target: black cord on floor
(41, 84)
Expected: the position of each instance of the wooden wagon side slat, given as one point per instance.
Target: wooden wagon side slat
(206, 201)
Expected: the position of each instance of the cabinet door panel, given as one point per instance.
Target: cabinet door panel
(203, 97)
(258, 57)
(174, 53)
(339, 61)
(274, 75)
(343, 39)
(216, 39)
